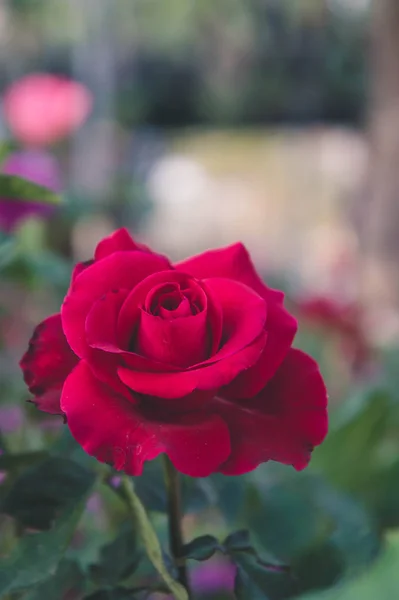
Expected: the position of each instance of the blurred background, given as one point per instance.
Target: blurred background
(198, 123)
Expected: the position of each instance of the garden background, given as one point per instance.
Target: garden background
(204, 122)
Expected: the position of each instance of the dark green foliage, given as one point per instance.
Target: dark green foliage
(67, 580)
(117, 593)
(257, 579)
(201, 548)
(43, 491)
(15, 188)
(36, 557)
(119, 559)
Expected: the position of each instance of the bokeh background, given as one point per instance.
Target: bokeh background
(198, 123)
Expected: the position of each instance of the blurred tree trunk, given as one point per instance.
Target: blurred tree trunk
(380, 216)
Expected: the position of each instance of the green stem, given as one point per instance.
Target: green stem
(172, 482)
(149, 537)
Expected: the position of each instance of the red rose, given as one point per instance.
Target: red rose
(192, 359)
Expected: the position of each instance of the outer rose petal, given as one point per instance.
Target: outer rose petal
(232, 262)
(119, 241)
(121, 270)
(283, 423)
(101, 320)
(49, 402)
(281, 329)
(79, 268)
(47, 363)
(113, 430)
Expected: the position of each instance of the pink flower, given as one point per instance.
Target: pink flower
(41, 108)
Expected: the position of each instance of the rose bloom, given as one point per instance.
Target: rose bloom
(193, 360)
(42, 108)
(38, 167)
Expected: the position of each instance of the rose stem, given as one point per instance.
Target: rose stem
(173, 491)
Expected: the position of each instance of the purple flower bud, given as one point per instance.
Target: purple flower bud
(38, 167)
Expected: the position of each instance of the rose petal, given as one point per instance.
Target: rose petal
(165, 407)
(181, 342)
(102, 336)
(281, 328)
(101, 321)
(207, 377)
(183, 309)
(47, 363)
(121, 270)
(232, 262)
(283, 422)
(106, 352)
(119, 241)
(130, 311)
(49, 402)
(79, 268)
(243, 313)
(109, 428)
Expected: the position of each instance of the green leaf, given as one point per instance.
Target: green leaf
(118, 559)
(37, 555)
(18, 189)
(354, 535)
(355, 442)
(118, 593)
(201, 548)
(382, 496)
(381, 581)
(9, 462)
(302, 517)
(41, 492)
(239, 540)
(319, 567)
(256, 578)
(246, 589)
(285, 517)
(255, 581)
(67, 580)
